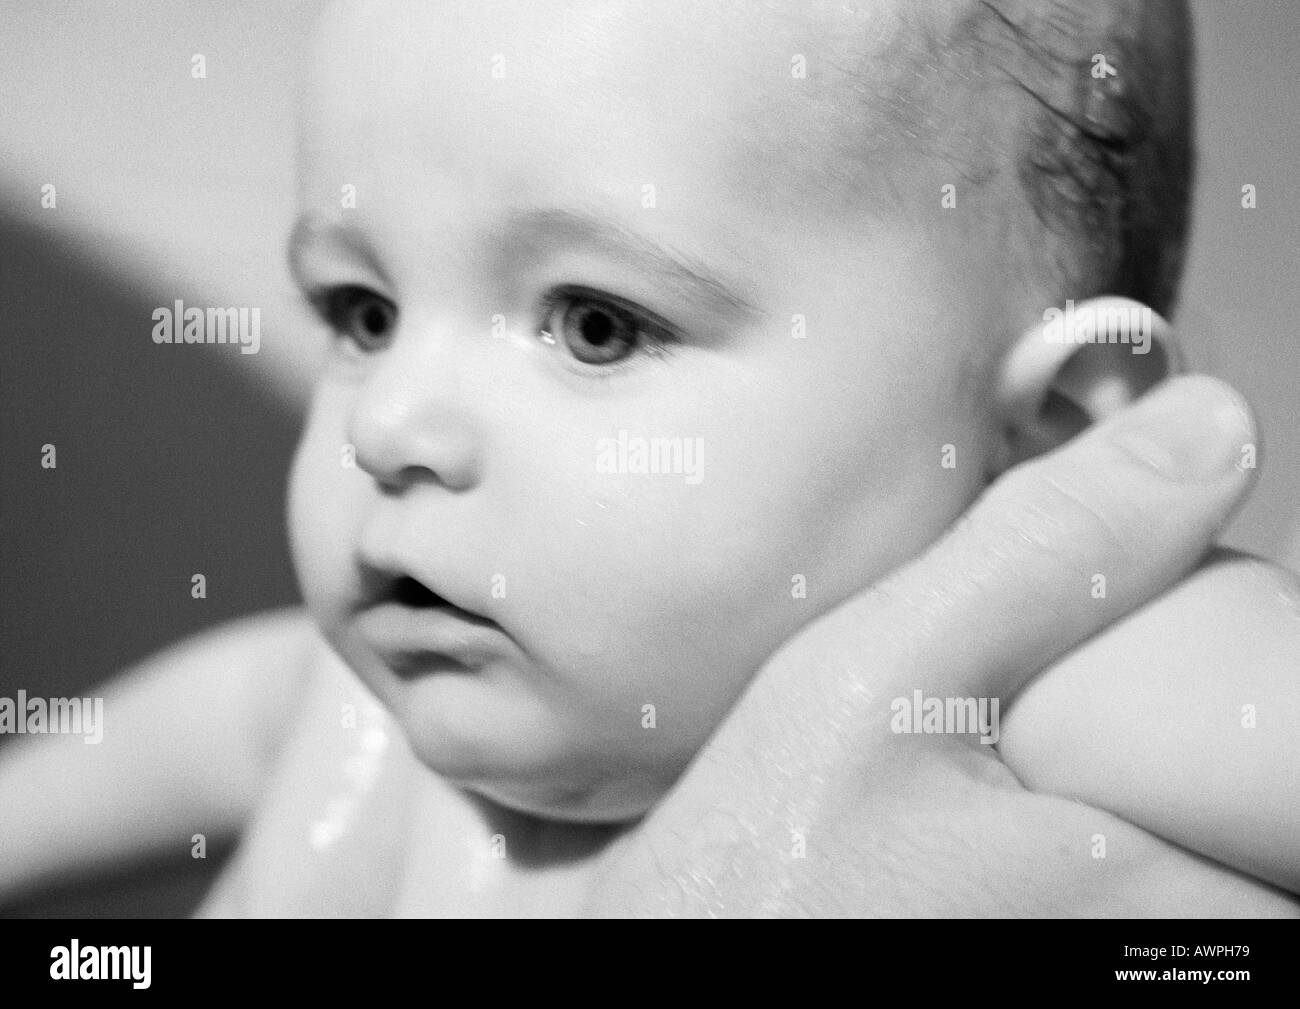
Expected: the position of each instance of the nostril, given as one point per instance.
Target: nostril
(409, 592)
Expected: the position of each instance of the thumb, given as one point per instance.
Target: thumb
(1055, 550)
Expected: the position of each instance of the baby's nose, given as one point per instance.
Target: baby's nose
(411, 420)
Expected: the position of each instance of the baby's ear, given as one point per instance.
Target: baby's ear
(1078, 365)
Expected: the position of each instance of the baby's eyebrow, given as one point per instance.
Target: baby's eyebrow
(541, 228)
(534, 231)
(310, 229)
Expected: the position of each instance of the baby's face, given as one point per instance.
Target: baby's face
(579, 228)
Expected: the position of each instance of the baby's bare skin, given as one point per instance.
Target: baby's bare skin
(334, 826)
(352, 824)
(471, 461)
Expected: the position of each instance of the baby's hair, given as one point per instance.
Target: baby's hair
(1108, 158)
(1100, 95)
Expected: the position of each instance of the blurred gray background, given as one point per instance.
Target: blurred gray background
(171, 461)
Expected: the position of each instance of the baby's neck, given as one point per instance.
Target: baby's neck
(535, 842)
(468, 855)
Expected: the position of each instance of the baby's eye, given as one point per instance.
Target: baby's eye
(599, 330)
(358, 315)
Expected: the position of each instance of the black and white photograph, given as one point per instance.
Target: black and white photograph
(578, 459)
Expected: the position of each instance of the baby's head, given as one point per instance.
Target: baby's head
(658, 334)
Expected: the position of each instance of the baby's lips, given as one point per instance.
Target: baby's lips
(430, 639)
(384, 577)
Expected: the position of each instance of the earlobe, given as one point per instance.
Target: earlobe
(1076, 366)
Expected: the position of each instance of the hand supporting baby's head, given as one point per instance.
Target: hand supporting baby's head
(661, 329)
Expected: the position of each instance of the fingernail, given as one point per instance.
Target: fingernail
(1190, 428)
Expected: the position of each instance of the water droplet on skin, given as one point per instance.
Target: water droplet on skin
(322, 835)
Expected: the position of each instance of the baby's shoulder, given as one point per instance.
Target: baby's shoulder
(1230, 585)
(1181, 718)
(1232, 619)
(1199, 662)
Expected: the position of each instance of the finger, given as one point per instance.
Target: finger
(1055, 550)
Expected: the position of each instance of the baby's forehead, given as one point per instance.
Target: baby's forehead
(775, 100)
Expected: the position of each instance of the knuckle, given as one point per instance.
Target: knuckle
(1046, 513)
(1095, 521)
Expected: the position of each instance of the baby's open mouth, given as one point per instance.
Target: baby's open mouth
(415, 630)
(411, 592)
(408, 591)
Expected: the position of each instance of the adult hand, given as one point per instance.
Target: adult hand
(806, 802)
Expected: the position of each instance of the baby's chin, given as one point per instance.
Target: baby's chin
(494, 732)
(559, 805)
(545, 792)
(505, 746)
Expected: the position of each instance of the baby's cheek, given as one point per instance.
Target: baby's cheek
(323, 483)
(837, 528)
(648, 609)
(736, 591)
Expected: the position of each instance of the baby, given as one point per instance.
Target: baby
(658, 330)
